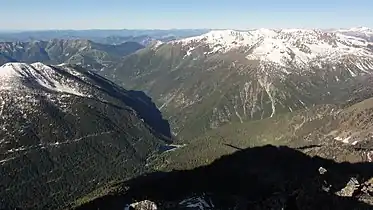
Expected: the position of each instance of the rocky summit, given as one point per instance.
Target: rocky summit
(65, 131)
(265, 177)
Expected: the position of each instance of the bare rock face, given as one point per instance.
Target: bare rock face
(196, 203)
(351, 188)
(362, 191)
(142, 205)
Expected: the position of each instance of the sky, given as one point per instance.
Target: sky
(167, 14)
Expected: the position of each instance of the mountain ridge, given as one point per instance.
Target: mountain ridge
(66, 131)
(203, 82)
(309, 40)
(223, 92)
(87, 53)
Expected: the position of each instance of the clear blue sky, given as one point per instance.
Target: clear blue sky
(162, 14)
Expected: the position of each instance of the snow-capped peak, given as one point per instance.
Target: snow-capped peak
(39, 65)
(281, 47)
(362, 32)
(213, 36)
(156, 43)
(221, 40)
(7, 70)
(360, 29)
(18, 76)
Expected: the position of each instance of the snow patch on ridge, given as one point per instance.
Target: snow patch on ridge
(297, 47)
(222, 40)
(12, 76)
(267, 87)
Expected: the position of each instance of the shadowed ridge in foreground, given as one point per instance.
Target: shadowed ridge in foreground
(265, 177)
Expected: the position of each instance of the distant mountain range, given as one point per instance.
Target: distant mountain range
(100, 35)
(65, 131)
(86, 53)
(224, 76)
(205, 81)
(71, 135)
(362, 32)
(144, 40)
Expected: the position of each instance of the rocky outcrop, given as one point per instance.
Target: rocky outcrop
(256, 178)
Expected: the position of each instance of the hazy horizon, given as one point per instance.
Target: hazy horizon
(41, 15)
(158, 29)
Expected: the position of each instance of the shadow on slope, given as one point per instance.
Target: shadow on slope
(137, 100)
(265, 177)
(5, 59)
